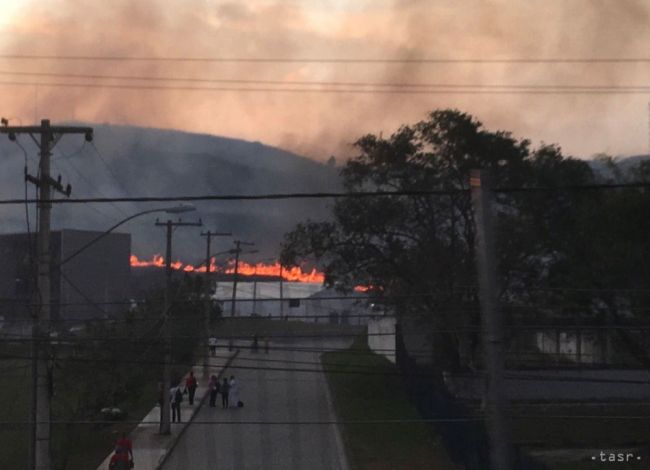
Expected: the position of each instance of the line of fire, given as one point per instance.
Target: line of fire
(107, 277)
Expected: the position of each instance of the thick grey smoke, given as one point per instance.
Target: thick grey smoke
(318, 124)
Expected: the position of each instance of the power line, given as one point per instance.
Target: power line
(326, 195)
(90, 185)
(334, 60)
(356, 91)
(258, 423)
(366, 370)
(6, 424)
(245, 197)
(110, 171)
(326, 83)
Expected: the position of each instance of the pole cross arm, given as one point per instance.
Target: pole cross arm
(216, 234)
(13, 130)
(179, 223)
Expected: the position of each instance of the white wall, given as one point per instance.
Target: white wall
(381, 337)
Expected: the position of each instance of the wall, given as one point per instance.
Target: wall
(101, 272)
(560, 384)
(381, 337)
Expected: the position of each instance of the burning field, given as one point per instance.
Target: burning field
(294, 274)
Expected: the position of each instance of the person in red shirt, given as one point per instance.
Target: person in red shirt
(123, 452)
(190, 386)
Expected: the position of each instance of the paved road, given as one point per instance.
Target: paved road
(268, 395)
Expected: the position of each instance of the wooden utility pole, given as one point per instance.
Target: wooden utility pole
(281, 292)
(208, 304)
(498, 426)
(165, 421)
(45, 136)
(238, 244)
(255, 291)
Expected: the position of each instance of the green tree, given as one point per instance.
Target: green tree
(418, 251)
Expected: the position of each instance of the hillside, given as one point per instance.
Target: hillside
(132, 161)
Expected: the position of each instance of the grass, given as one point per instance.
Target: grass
(615, 435)
(394, 446)
(577, 432)
(14, 399)
(74, 446)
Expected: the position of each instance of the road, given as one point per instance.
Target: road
(269, 395)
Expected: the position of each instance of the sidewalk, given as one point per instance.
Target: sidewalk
(149, 447)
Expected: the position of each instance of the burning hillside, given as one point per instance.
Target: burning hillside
(295, 274)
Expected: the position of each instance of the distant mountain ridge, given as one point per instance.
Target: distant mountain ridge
(133, 161)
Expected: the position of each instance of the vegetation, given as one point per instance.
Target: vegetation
(379, 395)
(111, 363)
(593, 242)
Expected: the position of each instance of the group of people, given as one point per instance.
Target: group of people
(229, 390)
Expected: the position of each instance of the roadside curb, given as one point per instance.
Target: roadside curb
(195, 410)
(340, 447)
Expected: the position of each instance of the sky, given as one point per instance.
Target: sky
(323, 123)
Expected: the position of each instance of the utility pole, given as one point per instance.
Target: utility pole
(255, 290)
(498, 426)
(208, 268)
(281, 292)
(238, 244)
(46, 137)
(165, 422)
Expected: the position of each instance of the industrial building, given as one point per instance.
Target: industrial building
(93, 284)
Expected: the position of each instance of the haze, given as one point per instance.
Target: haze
(316, 123)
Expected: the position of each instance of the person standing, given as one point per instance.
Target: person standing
(176, 399)
(160, 399)
(212, 343)
(234, 391)
(225, 391)
(190, 385)
(213, 386)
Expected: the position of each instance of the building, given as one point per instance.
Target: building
(304, 301)
(93, 284)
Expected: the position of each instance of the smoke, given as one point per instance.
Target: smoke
(321, 124)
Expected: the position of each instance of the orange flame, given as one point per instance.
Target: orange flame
(245, 269)
(156, 260)
(261, 269)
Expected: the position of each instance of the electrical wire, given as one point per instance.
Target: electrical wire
(328, 195)
(474, 418)
(93, 187)
(112, 173)
(348, 91)
(244, 197)
(151, 78)
(334, 60)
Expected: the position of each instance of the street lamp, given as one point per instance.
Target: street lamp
(165, 424)
(169, 210)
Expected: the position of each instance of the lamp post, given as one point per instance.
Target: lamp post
(165, 421)
(208, 265)
(237, 250)
(265, 260)
(169, 210)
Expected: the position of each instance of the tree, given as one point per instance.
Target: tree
(418, 251)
